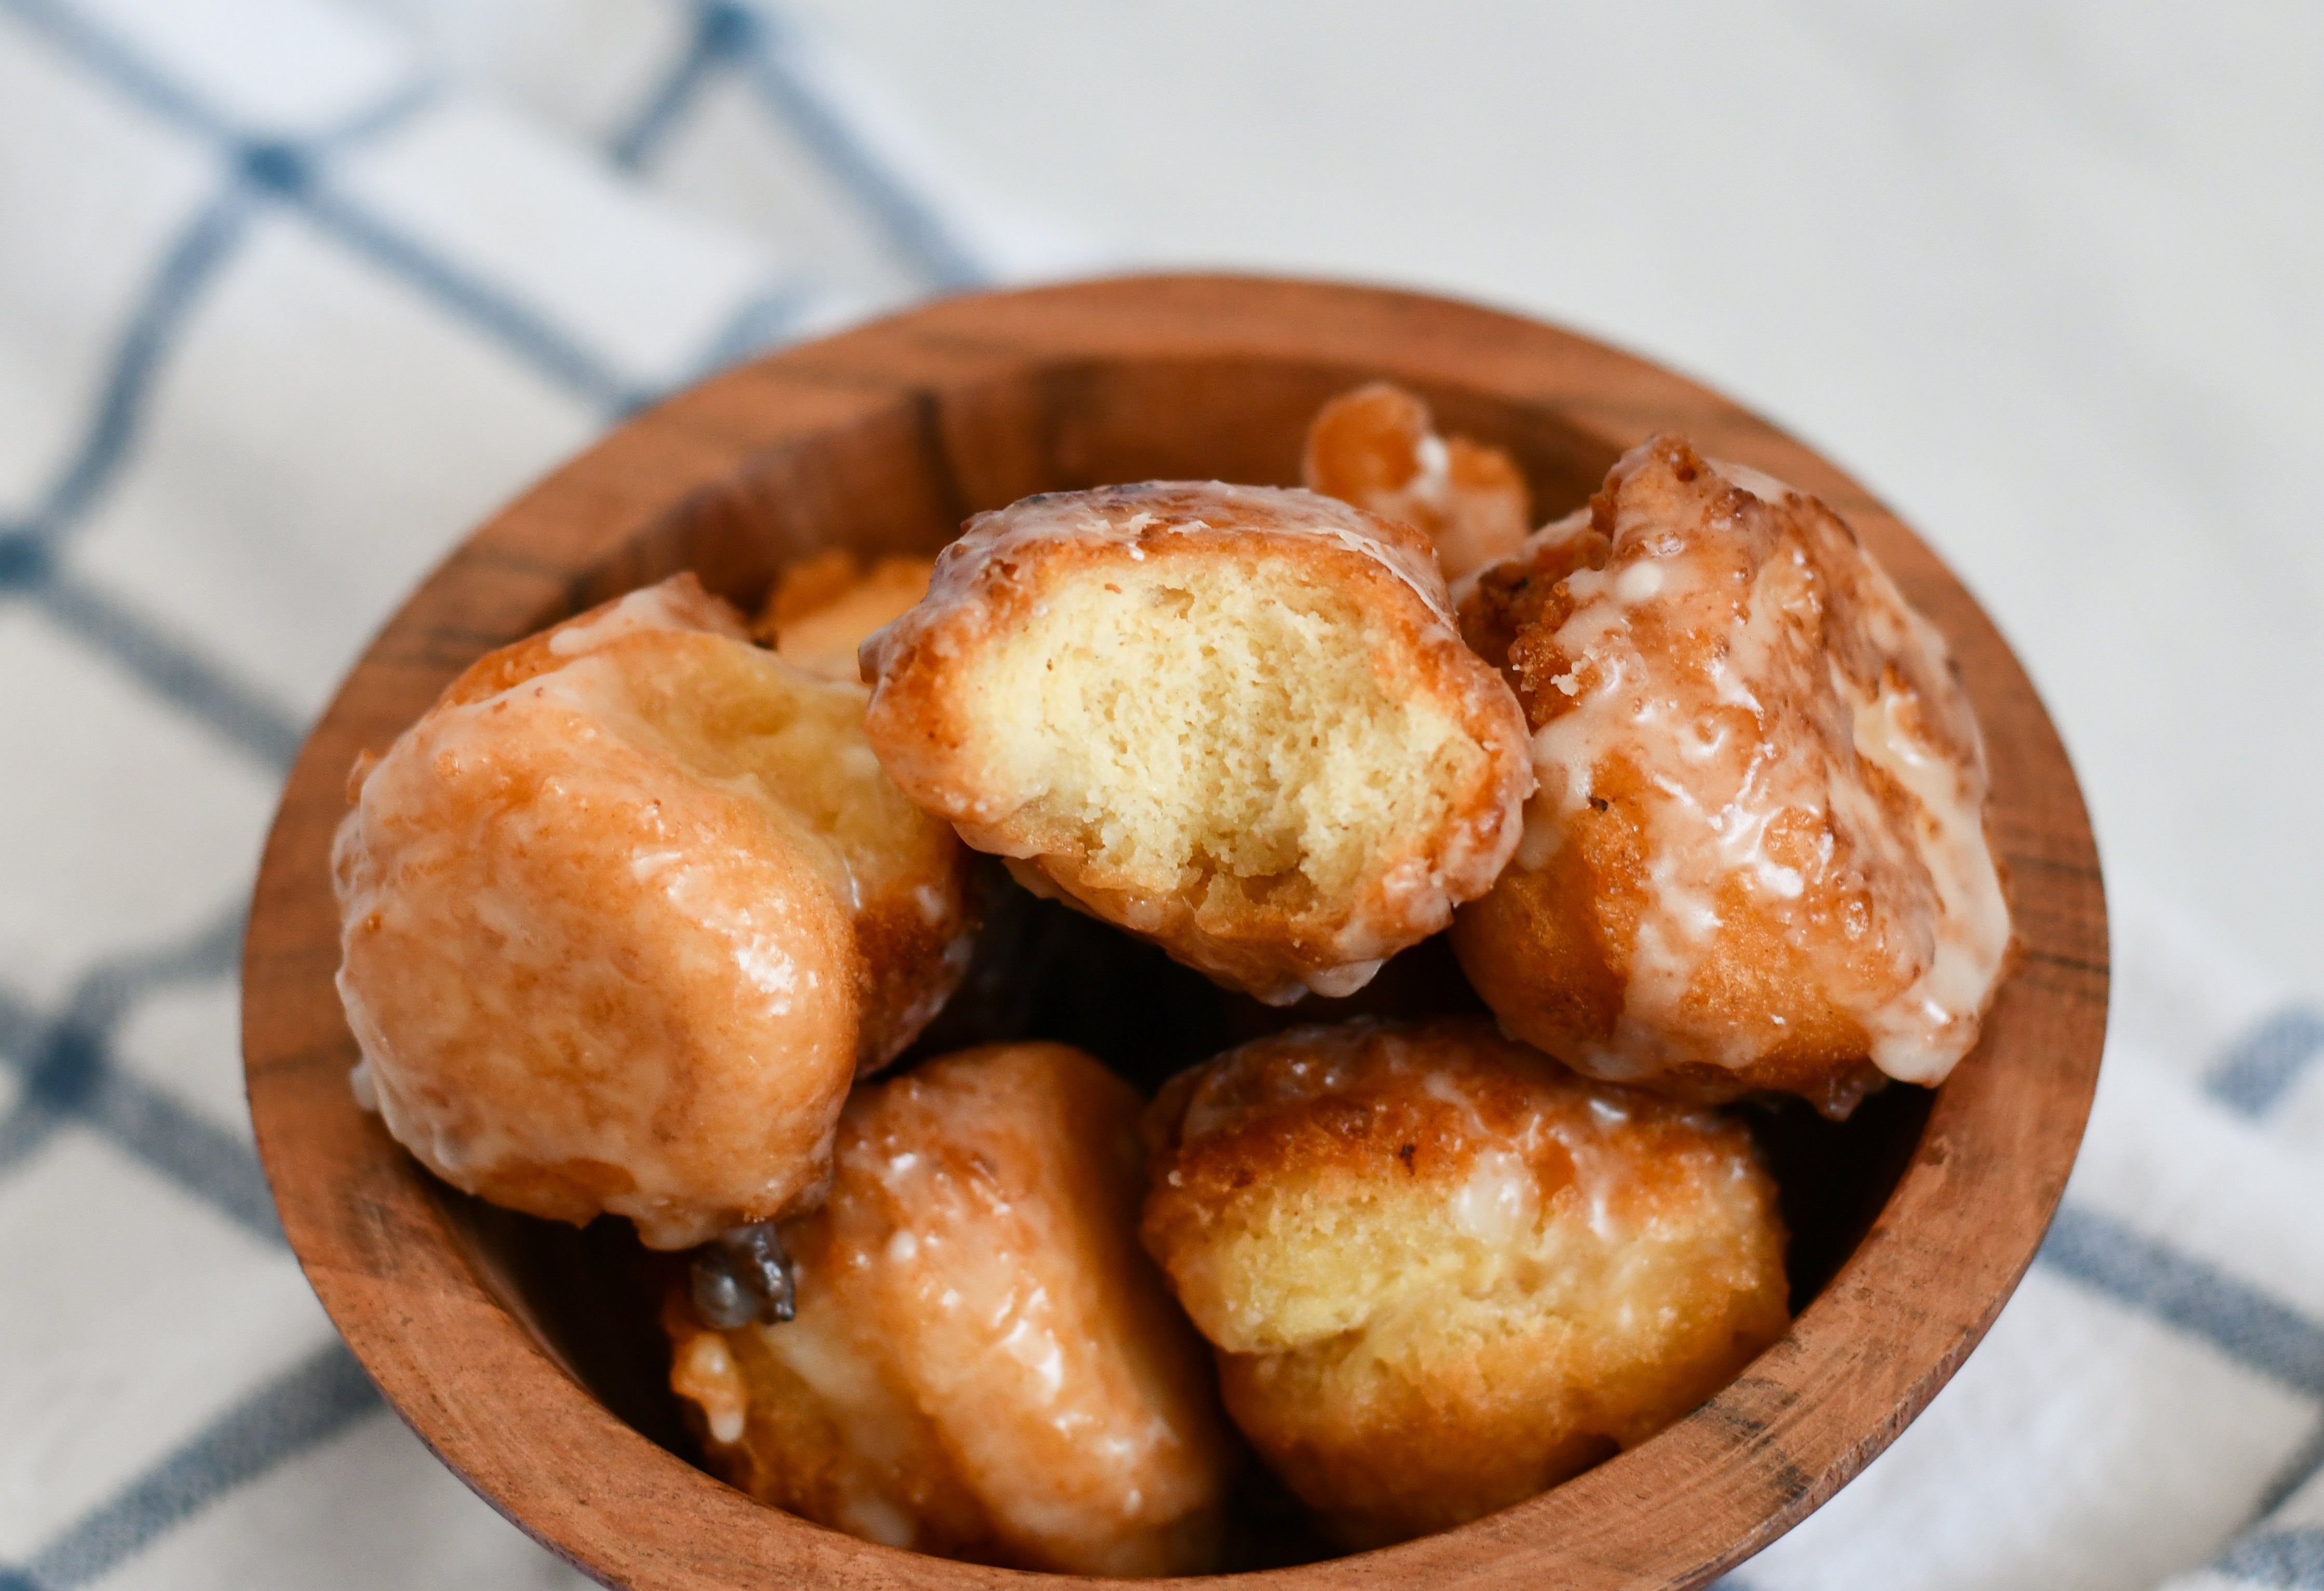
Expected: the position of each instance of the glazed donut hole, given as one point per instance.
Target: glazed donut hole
(1443, 1273)
(1233, 720)
(1757, 856)
(983, 1365)
(1377, 447)
(625, 912)
(736, 715)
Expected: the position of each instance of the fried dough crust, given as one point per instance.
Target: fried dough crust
(626, 910)
(1757, 857)
(823, 607)
(1377, 447)
(1234, 720)
(983, 1365)
(1442, 1272)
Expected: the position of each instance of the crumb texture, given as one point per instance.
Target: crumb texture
(1199, 719)
(1231, 720)
(1441, 1273)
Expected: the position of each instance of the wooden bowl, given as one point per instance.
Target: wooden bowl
(511, 1346)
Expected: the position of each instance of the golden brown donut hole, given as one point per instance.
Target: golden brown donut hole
(983, 1365)
(1440, 1273)
(626, 910)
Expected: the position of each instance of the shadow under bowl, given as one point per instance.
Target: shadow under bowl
(525, 1354)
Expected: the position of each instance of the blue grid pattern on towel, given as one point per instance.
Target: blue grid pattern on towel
(296, 174)
(64, 1058)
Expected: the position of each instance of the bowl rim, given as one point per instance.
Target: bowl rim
(474, 1379)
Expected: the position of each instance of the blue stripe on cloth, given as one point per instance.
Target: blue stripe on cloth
(290, 171)
(108, 989)
(404, 103)
(75, 1078)
(68, 29)
(170, 667)
(188, 266)
(27, 1123)
(2256, 1331)
(26, 1126)
(2301, 1468)
(777, 66)
(161, 663)
(18, 1026)
(315, 1400)
(764, 46)
(2243, 1323)
(2292, 1560)
(721, 35)
(2257, 1072)
(291, 174)
(152, 656)
(71, 1075)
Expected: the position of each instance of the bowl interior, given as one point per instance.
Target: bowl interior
(894, 483)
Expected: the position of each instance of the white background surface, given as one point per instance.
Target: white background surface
(2049, 279)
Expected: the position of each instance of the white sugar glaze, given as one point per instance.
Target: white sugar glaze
(1787, 722)
(599, 944)
(1136, 516)
(1499, 1200)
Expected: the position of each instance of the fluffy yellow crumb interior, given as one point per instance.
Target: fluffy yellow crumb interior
(734, 715)
(1364, 1267)
(1307, 1262)
(1242, 721)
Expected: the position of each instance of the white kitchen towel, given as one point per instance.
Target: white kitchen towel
(2150, 1403)
(293, 293)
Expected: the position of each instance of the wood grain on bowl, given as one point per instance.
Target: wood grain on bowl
(882, 440)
